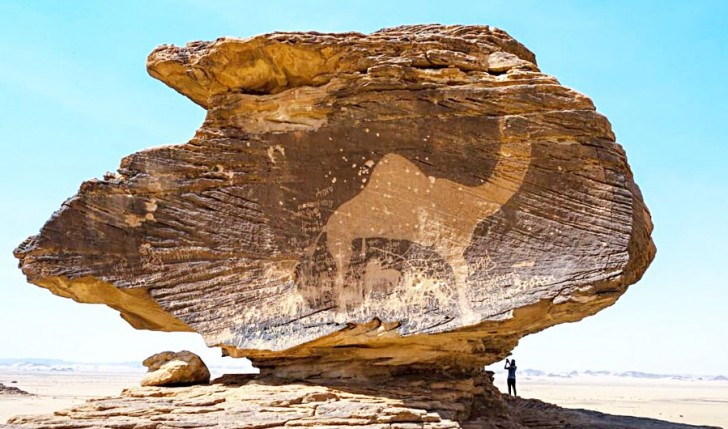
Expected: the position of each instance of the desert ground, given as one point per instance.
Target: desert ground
(684, 400)
(689, 400)
(54, 390)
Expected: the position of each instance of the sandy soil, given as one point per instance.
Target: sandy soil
(55, 390)
(683, 401)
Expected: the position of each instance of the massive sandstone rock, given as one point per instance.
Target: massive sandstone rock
(420, 197)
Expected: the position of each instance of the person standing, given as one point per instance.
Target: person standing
(511, 367)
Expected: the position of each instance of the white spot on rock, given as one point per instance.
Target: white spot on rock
(151, 205)
(133, 220)
(273, 149)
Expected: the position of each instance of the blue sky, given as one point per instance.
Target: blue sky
(75, 98)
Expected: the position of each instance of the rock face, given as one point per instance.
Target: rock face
(232, 403)
(417, 198)
(175, 369)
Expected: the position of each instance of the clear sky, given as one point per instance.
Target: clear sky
(75, 98)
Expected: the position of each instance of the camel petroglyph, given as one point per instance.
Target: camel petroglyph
(400, 202)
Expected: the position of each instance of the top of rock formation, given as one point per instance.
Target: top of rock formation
(273, 63)
(419, 197)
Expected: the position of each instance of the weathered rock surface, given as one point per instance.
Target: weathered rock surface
(175, 369)
(406, 403)
(417, 198)
(12, 391)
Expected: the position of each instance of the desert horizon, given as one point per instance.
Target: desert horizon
(694, 399)
(242, 365)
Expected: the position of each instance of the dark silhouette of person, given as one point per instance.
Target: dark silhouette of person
(511, 367)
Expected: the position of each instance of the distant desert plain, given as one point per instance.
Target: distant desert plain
(689, 399)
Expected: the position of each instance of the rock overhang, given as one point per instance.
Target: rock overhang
(423, 195)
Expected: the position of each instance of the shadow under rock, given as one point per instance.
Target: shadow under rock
(472, 401)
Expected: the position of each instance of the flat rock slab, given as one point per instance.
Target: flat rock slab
(422, 195)
(267, 403)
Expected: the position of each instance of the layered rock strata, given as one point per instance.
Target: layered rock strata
(417, 198)
(407, 403)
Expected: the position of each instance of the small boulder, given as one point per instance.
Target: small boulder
(175, 369)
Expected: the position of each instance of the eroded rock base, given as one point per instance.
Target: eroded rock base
(256, 402)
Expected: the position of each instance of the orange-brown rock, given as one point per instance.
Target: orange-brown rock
(418, 198)
(175, 369)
